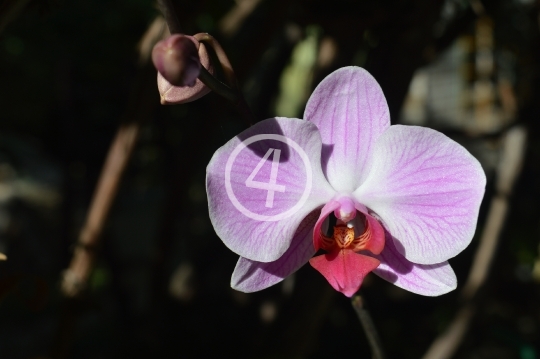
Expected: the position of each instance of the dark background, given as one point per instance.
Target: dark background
(70, 73)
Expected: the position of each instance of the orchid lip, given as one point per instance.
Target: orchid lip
(349, 248)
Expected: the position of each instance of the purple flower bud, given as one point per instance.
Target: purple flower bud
(177, 59)
(172, 95)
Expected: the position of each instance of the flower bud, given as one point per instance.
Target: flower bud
(177, 59)
(171, 94)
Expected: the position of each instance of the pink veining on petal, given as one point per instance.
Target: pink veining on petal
(251, 237)
(251, 276)
(427, 189)
(417, 193)
(350, 110)
(429, 280)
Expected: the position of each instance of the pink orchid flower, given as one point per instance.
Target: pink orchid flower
(398, 201)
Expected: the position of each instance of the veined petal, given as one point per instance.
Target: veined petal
(430, 280)
(345, 270)
(263, 183)
(427, 190)
(350, 110)
(251, 276)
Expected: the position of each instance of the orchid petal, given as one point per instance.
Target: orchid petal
(344, 270)
(430, 280)
(251, 276)
(350, 110)
(254, 221)
(427, 190)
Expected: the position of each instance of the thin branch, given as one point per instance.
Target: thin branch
(369, 327)
(445, 346)
(169, 13)
(235, 18)
(74, 281)
(76, 276)
(10, 10)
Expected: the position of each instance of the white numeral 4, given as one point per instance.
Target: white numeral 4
(271, 186)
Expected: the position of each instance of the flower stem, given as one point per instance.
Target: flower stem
(209, 40)
(217, 86)
(369, 327)
(233, 95)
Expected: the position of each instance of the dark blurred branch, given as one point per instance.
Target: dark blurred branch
(155, 32)
(233, 20)
(513, 150)
(369, 327)
(76, 276)
(169, 13)
(9, 10)
(301, 320)
(477, 7)
(494, 135)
